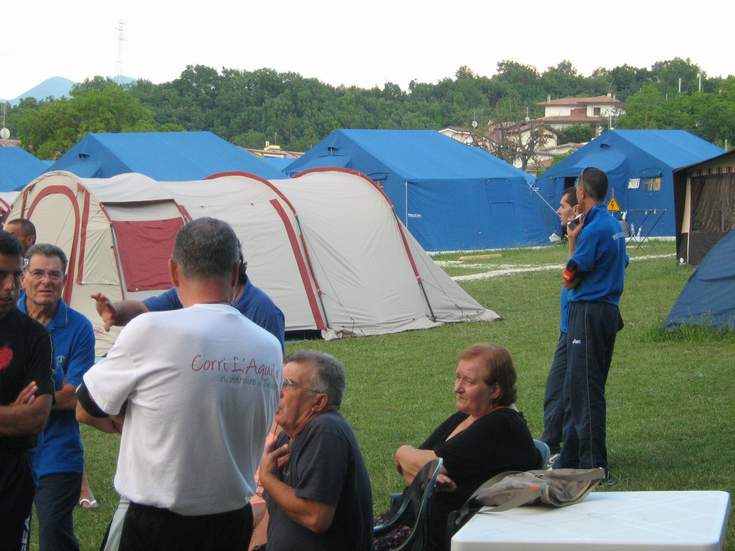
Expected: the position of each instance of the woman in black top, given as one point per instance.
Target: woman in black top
(486, 435)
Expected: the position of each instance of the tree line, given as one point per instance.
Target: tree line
(250, 107)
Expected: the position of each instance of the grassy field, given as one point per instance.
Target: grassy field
(670, 396)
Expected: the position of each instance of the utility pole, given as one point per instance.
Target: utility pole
(119, 53)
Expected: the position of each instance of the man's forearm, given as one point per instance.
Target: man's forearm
(112, 424)
(65, 399)
(127, 310)
(25, 419)
(310, 514)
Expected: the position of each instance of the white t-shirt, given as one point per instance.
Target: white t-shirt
(201, 386)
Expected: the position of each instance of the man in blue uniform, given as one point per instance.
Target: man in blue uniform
(58, 459)
(253, 303)
(595, 276)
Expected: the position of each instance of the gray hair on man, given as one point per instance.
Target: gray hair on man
(48, 250)
(206, 247)
(329, 376)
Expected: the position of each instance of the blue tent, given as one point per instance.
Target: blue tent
(279, 163)
(17, 168)
(639, 165)
(166, 156)
(708, 298)
(449, 195)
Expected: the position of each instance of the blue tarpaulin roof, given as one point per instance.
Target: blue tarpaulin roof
(17, 168)
(627, 157)
(708, 298)
(279, 163)
(450, 196)
(166, 156)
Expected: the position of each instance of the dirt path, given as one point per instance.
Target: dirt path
(508, 269)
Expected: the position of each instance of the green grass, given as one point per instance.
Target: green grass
(670, 395)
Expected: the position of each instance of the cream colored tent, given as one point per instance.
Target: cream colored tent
(6, 199)
(325, 246)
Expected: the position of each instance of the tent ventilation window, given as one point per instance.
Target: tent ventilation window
(651, 184)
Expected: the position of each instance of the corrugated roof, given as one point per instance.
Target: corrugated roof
(582, 101)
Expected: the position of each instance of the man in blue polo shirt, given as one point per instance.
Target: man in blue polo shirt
(58, 458)
(253, 303)
(594, 275)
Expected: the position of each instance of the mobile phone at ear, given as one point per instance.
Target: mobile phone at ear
(574, 222)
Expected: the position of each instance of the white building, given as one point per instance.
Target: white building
(594, 111)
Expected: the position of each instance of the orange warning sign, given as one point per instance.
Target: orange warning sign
(613, 206)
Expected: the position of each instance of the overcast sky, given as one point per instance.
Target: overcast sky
(353, 42)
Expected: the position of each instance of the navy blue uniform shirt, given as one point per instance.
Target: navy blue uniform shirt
(600, 258)
(253, 303)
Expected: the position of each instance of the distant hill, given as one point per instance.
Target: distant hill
(58, 87)
(122, 80)
(54, 87)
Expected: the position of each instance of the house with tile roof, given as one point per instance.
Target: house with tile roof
(595, 111)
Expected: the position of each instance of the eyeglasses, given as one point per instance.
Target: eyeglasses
(53, 275)
(290, 383)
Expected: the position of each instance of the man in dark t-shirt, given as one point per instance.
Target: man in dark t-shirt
(317, 487)
(26, 390)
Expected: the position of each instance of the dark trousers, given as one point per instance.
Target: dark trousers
(593, 327)
(56, 496)
(16, 500)
(554, 397)
(147, 527)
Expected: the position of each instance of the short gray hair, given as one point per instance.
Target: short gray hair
(48, 250)
(329, 376)
(206, 247)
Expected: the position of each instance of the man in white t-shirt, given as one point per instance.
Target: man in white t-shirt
(196, 390)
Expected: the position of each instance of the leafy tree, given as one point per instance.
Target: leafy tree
(579, 133)
(564, 81)
(54, 126)
(250, 107)
(95, 83)
(666, 75)
(642, 109)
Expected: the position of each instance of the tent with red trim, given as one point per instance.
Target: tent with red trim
(326, 246)
(6, 199)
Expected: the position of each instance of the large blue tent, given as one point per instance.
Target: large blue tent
(450, 196)
(279, 163)
(639, 165)
(166, 156)
(17, 168)
(708, 298)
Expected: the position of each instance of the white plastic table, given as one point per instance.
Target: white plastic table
(629, 521)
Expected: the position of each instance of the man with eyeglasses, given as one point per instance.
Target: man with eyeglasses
(26, 390)
(316, 484)
(58, 459)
